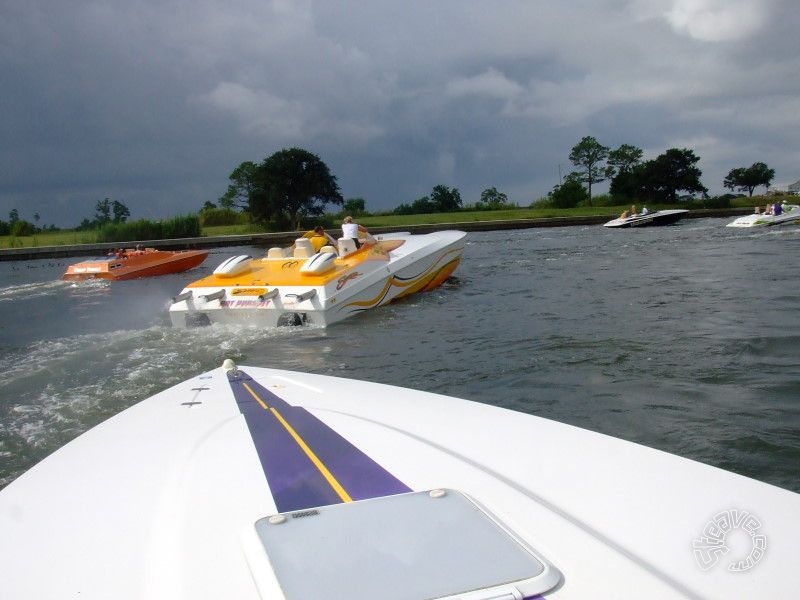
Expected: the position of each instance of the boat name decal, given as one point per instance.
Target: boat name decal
(305, 513)
(248, 291)
(290, 264)
(342, 281)
(243, 303)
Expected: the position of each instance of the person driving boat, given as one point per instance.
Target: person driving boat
(351, 229)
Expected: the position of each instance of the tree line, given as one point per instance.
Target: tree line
(631, 178)
(294, 185)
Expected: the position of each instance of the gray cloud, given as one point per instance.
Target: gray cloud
(155, 103)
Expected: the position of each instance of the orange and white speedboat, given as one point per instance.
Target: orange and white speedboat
(131, 264)
(295, 286)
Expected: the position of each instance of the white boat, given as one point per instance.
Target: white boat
(248, 483)
(293, 286)
(790, 213)
(658, 217)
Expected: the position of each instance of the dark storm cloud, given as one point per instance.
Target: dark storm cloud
(154, 103)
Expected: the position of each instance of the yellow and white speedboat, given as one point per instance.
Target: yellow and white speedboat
(294, 286)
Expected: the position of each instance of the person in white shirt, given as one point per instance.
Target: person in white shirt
(350, 229)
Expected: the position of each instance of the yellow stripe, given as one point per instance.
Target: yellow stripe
(254, 395)
(337, 487)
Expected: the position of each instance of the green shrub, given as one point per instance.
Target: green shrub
(212, 217)
(181, 227)
(22, 228)
(723, 201)
(605, 200)
(569, 194)
(177, 227)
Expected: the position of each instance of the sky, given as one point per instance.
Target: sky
(155, 102)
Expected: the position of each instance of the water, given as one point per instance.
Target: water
(683, 338)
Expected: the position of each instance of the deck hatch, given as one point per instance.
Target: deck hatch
(437, 544)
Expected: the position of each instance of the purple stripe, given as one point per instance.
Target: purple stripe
(294, 480)
(358, 474)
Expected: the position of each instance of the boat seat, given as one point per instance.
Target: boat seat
(303, 248)
(328, 250)
(346, 246)
(276, 252)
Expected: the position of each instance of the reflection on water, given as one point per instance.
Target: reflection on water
(683, 338)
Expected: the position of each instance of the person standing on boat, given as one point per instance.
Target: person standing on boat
(319, 238)
(350, 229)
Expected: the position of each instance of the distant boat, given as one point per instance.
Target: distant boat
(790, 213)
(132, 264)
(659, 217)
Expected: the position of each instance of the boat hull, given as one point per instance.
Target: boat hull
(276, 291)
(170, 499)
(654, 219)
(136, 264)
(790, 214)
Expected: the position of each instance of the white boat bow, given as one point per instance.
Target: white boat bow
(258, 483)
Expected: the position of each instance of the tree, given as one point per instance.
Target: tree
(749, 178)
(13, 216)
(491, 199)
(589, 155)
(355, 207)
(208, 205)
(244, 180)
(120, 212)
(420, 206)
(673, 171)
(292, 184)
(570, 193)
(102, 212)
(622, 164)
(444, 199)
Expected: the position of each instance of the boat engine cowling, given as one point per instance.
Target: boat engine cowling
(319, 263)
(236, 265)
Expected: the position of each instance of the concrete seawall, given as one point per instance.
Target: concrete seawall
(285, 238)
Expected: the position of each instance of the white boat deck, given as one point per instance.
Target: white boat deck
(164, 500)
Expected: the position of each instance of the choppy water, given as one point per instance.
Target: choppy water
(684, 338)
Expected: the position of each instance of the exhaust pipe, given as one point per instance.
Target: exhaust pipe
(218, 295)
(304, 296)
(181, 297)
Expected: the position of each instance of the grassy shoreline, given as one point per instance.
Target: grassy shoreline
(77, 238)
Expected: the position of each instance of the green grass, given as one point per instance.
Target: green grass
(49, 238)
(485, 215)
(71, 238)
